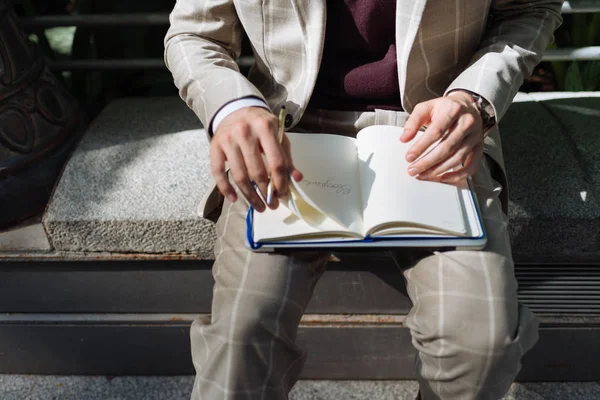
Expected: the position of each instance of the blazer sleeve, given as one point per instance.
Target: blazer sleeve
(517, 34)
(201, 46)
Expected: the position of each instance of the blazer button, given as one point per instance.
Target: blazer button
(289, 120)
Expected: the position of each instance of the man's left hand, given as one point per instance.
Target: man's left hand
(456, 120)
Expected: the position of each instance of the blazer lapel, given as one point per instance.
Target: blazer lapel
(408, 20)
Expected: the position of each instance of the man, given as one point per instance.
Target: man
(338, 66)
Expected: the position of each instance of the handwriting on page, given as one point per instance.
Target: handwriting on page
(330, 183)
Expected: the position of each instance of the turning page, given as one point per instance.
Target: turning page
(393, 201)
(330, 168)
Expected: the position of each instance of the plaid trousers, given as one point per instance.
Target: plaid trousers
(468, 328)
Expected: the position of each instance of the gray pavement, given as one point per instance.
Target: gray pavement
(22, 387)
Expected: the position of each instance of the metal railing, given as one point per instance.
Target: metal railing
(162, 19)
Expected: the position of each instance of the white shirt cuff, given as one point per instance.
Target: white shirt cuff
(234, 106)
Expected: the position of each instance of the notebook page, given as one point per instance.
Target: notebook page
(282, 224)
(330, 168)
(390, 194)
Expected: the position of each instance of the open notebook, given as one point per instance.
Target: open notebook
(356, 193)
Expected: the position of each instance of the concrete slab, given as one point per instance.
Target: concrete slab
(28, 236)
(553, 391)
(20, 387)
(553, 209)
(580, 118)
(134, 183)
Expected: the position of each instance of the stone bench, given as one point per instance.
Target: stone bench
(134, 183)
(137, 177)
(552, 150)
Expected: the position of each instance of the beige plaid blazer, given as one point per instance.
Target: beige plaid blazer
(485, 46)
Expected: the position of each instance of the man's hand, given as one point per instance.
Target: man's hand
(456, 120)
(241, 139)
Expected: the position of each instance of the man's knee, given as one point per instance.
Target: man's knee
(484, 329)
(481, 342)
(466, 323)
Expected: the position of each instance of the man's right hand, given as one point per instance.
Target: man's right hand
(241, 139)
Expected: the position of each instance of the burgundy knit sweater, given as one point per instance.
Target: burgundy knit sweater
(359, 67)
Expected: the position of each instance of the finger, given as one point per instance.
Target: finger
(277, 163)
(439, 153)
(274, 201)
(297, 175)
(217, 169)
(471, 166)
(254, 163)
(420, 116)
(455, 161)
(435, 131)
(240, 176)
(294, 172)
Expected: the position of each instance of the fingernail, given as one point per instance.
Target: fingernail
(410, 157)
(269, 197)
(412, 171)
(231, 197)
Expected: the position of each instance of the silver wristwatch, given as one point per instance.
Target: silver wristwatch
(485, 110)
